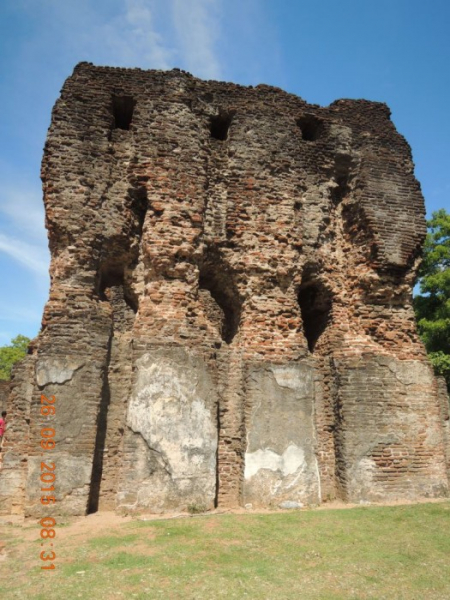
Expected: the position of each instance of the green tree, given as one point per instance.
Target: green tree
(432, 306)
(11, 354)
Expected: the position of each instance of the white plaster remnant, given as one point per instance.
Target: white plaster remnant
(288, 463)
(168, 411)
(280, 459)
(56, 370)
(289, 377)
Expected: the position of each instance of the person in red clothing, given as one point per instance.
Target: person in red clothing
(2, 428)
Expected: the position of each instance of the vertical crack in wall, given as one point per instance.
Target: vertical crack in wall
(316, 302)
(97, 464)
(338, 433)
(230, 422)
(115, 285)
(216, 496)
(222, 306)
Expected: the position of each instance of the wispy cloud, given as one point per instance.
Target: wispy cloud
(22, 204)
(197, 28)
(183, 34)
(29, 255)
(22, 233)
(132, 38)
(115, 33)
(133, 33)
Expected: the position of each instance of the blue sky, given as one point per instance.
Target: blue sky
(395, 51)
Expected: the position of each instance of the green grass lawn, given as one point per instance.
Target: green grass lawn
(391, 553)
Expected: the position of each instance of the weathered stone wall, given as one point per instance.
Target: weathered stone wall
(230, 315)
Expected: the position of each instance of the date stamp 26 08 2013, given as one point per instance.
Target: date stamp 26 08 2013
(48, 478)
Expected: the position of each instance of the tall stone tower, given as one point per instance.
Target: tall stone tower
(230, 314)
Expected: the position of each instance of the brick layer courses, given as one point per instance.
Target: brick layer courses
(296, 238)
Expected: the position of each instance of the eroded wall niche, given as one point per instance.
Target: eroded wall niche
(230, 317)
(315, 302)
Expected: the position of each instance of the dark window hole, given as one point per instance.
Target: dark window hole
(223, 293)
(315, 302)
(339, 192)
(342, 167)
(113, 277)
(219, 126)
(139, 204)
(123, 108)
(311, 127)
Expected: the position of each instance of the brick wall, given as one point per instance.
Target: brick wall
(230, 316)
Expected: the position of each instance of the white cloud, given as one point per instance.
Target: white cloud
(115, 33)
(150, 34)
(22, 232)
(197, 27)
(23, 205)
(31, 256)
(131, 39)
(184, 35)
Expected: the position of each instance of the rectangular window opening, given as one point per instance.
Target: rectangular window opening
(123, 108)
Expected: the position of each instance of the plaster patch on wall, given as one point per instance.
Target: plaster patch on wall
(387, 449)
(292, 459)
(56, 370)
(173, 408)
(280, 461)
(289, 377)
(361, 477)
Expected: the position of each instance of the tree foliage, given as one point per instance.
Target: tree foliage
(11, 354)
(432, 306)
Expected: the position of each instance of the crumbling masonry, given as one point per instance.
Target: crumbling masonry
(230, 316)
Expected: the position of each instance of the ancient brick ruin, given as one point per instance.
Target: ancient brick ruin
(230, 316)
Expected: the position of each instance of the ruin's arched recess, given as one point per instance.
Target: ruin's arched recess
(218, 279)
(119, 254)
(122, 108)
(315, 301)
(311, 127)
(219, 124)
(342, 177)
